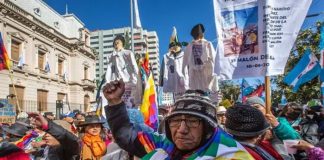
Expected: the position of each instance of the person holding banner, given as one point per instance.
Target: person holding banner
(191, 130)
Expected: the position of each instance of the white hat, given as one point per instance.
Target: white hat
(220, 110)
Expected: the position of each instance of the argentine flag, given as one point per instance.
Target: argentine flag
(321, 48)
(305, 70)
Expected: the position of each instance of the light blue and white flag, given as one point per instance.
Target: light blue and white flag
(321, 48)
(283, 100)
(305, 70)
(47, 67)
(245, 83)
(21, 61)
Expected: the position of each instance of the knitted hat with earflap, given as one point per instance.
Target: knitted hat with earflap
(194, 103)
(245, 121)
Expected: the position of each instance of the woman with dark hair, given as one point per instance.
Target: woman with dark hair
(291, 115)
(292, 112)
(92, 138)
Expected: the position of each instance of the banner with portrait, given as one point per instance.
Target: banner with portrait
(255, 36)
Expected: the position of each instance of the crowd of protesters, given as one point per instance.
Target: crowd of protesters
(195, 128)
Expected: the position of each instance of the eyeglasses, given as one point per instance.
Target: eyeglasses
(191, 123)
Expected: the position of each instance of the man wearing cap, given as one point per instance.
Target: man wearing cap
(221, 118)
(199, 57)
(172, 77)
(191, 130)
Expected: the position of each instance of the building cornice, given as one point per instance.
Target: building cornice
(9, 9)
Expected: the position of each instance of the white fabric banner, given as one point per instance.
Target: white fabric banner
(255, 36)
(137, 20)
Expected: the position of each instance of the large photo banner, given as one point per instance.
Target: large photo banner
(255, 36)
(7, 112)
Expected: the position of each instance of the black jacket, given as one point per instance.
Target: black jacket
(124, 132)
(70, 147)
(309, 131)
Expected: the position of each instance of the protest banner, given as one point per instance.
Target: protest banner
(7, 112)
(255, 37)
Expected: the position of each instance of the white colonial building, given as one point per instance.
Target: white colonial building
(51, 56)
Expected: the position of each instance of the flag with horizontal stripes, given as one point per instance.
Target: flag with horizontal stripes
(305, 70)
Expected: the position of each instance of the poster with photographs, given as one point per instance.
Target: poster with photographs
(255, 37)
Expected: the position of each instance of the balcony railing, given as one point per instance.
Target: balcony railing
(86, 83)
(37, 106)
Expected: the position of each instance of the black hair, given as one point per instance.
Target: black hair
(119, 37)
(197, 30)
(293, 105)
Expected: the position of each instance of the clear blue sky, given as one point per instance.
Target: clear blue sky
(156, 15)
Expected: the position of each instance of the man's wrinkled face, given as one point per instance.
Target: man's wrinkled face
(186, 131)
(93, 129)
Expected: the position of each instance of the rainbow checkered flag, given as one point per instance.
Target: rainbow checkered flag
(221, 146)
(5, 62)
(149, 104)
(25, 141)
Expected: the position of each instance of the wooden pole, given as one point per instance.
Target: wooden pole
(13, 85)
(268, 94)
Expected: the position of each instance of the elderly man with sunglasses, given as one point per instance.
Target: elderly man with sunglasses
(191, 130)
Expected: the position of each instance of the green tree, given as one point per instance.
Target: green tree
(308, 38)
(127, 41)
(230, 90)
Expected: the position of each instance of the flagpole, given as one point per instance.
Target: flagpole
(13, 85)
(268, 94)
(242, 90)
(132, 24)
